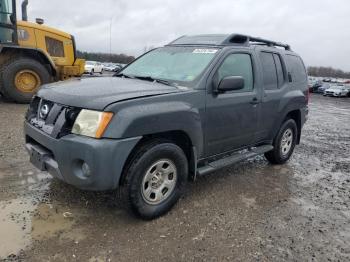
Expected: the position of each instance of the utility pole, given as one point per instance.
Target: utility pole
(110, 40)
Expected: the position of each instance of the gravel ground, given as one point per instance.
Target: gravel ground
(251, 211)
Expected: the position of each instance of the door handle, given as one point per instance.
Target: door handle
(254, 101)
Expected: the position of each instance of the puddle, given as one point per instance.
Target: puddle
(21, 222)
(26, 216)
(48, 221)
(15, 226)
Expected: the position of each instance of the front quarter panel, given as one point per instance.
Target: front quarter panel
(151, 115)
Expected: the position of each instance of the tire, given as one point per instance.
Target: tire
(17, 67)
(141, 186)
(282, 152)
(92, 72)
(101, 72)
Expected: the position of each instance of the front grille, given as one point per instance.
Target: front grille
(52, 118)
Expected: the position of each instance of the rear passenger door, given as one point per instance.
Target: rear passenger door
(274, 86)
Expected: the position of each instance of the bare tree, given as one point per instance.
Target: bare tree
(327, 72)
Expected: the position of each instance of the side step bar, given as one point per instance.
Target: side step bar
(234, 158)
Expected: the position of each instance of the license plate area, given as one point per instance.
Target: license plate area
(38, 156)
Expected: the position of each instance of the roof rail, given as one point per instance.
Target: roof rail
(246, 40)
(221, 39)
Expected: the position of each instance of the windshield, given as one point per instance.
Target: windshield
(89, 63)
(175, 64)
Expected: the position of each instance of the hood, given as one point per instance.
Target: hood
(97, 93)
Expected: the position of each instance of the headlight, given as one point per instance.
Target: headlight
(91, 123)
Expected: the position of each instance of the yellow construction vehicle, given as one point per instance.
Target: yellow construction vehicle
(32, 54)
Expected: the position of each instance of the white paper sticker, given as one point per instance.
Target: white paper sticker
(204, 51)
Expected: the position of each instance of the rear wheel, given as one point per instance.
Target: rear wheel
(156, 178)
(21, 78)
(92, 71)
(284, 143)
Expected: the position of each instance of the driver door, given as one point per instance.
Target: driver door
(231, 117)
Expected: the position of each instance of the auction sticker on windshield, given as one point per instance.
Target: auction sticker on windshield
(204, 51)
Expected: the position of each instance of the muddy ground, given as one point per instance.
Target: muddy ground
(251, 211)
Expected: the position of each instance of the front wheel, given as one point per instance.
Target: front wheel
(156, 178)
(284, 143)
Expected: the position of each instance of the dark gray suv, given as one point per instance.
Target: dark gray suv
(196, 105)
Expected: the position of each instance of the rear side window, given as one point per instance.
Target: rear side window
(54, 47)
(238, 65)
(269, 70)
(297, 68)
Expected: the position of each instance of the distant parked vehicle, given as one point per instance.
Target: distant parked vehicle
(112, 67)
(347, 87)
(337, 91)
(322, 88)
(92, 67)
(122, 65)
(315, 85)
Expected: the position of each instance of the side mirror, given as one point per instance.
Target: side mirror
(231, 83)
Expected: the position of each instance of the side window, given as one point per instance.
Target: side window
(279, 70)
(54, 47)
(238, 65)
(269, 71)
(297, 68)
(7, 32)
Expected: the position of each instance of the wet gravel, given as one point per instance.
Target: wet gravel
(251, 211)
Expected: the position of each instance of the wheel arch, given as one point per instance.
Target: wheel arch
(178, 137)
(296, 116)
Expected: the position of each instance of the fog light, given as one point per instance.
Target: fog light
(86, 169)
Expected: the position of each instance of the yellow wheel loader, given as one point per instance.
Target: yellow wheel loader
(32, 54)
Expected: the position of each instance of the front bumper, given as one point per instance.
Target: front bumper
(63, 157)
(331, 94)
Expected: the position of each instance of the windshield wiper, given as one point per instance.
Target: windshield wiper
(150, 78)
(146, 78)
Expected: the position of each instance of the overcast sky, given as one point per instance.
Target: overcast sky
(316, 29)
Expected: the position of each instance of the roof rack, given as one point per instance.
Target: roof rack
(246, 40)
(222, 40)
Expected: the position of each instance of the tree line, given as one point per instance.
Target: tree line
(327, 72)
(105, 57)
